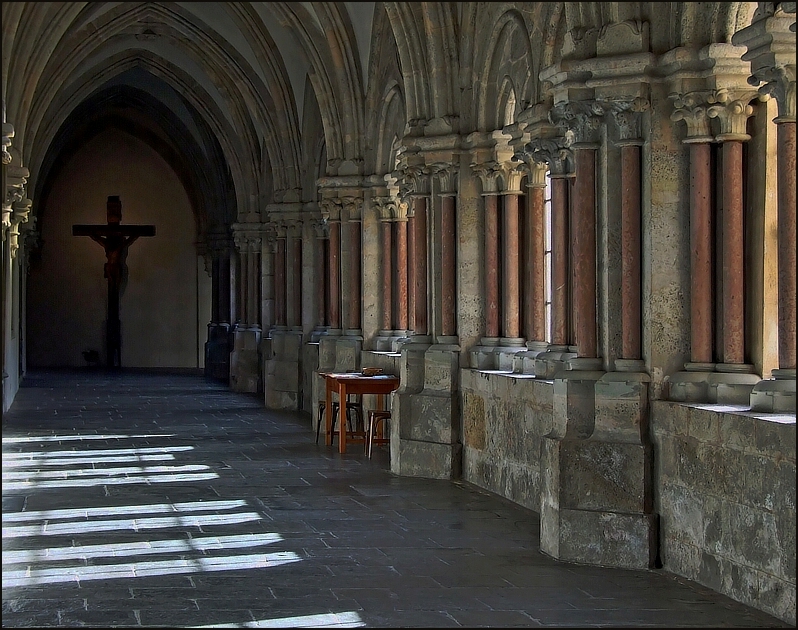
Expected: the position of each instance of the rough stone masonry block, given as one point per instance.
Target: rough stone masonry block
(441, 369)
(575, 406)
(432, 419)
(621, 407)
(609, 539)
(433, 461)
(605, 477)
(474, 420)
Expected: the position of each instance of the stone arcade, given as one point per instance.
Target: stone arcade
(568, 227)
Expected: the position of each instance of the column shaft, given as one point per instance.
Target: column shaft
(387, 274)
(559, 262)
(243, 282)
(630, 252)
(491, 265)
(786, 242)
(296, 281)
(584, 253)
(320, 280)
(224, 287)
(354, 298)
(448, 262)
(419, 256)
(701, 293)
(535, 280)
(511, 286)
(216, 315)
(280, 315)
(334, 304)
(401, 275)
(733, 263)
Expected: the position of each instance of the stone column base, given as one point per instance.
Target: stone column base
(483, 356)
(731, 383)
(508, 348)
(691, 384)
(245, 361)
(775, 395)
(553, 361)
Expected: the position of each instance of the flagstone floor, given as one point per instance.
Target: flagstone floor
(142, 499)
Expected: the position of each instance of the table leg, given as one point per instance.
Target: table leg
(342, 417)
(328, 412)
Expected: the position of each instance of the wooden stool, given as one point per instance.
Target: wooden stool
(352, 406)
(376, 416)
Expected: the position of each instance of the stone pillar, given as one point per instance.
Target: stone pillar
(392, 215)
(401, 226)
(333, 219)
(351, 266)
(583, 252)
(294, 281)
(217, 348)
(770, 40)
(386, 241)
(280, 291)
(734, 378)
(692, 384)
(419, 266)
(245, 373)
(321, 281)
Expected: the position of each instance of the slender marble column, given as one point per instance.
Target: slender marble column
(448, 262)
(280, 303)
(733, 255)
(401, 274)
(355, 301)
(419, 255)
(387, 274)
(701, 293)
(243, 283)
(511, 285)
(583, 239)
(253, 286)
(630, 251)
(296, 277)
(320, 284)
(535, 280)
(216, 314)
(786, 241)
(560, 334)
(491, 265)
(334, 303)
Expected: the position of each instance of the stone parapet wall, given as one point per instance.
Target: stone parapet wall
(505, 417)
(725, 493)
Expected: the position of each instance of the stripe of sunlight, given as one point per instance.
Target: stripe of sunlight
(93, 472)
(152, 508)
(80, 438)
(324, 620)
(94, 453)
(32, 577)
(58, 529)
(34, 485)
(86, 460)
(85, 552)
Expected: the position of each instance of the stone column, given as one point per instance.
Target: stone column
(693, 383)
(734, 378)
(295, 257)
(245, 373)
(331, 211)
(217, 348)
(401, 303)
(321, 245)
(386, 241)
(770, 40)
(556, 152)
(419, 266)
(352, 265)
(280, 302)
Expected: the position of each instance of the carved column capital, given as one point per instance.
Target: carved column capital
(8, 133)
(732, 109)
(390, 208)
(555, 152)
(447, 176)
(691, 107)
(352, 207)
(488, 173)
(583, 118)
(628, 118)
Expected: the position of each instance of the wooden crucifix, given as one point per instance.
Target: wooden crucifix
(115, 239)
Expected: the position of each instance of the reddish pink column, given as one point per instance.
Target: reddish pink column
(733, 288)
(420, 266)
(511, 284)
(491, 265)
(224, 287)
(401, 274)
(253, 299)
(535, 281)
(334, 304)
(786, 243)
(448, 262)
(319, 280)
(280, 318)
(630, 251)
(242, 288)
(559, 261)
(387, 274)
(355, 300)
(584, 252)
(701, 293)
(296, 289)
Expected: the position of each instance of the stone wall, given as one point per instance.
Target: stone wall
(504, 420)
(725, 493)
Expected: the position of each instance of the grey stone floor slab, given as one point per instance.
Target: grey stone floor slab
(104, 526)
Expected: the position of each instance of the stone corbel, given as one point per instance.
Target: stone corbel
(8, 133)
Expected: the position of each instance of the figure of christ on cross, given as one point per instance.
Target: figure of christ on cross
(115, 239)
